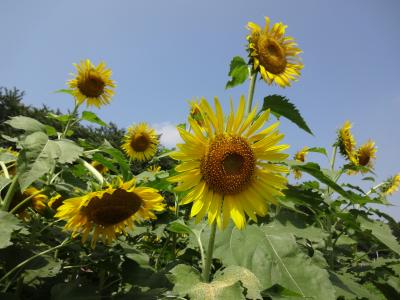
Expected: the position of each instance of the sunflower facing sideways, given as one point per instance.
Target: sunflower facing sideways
(140, 142)
(228, 167)
(273, 54)
(347, 143)
(111, 211)
(92, 84)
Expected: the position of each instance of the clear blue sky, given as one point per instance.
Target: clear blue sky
(164, 53)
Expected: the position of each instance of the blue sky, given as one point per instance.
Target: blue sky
(164, 53)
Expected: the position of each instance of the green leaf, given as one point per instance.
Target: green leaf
(381, 231)
(65, 91)
(60, 118)
(239, 72)
(93, 118)
(104, 161)
(184, 278)
(69, 151)
(318, 150)
(314, 170)
(346, 286)
(25, 123)
(280, 105)
(119, 158)
(43, 267)
(274, 259)
(50, 130)
(179, 227)
(74, 291)
(9, 223)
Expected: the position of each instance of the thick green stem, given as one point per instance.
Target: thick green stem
(22, 203)
(65, 242)
(93, 170)
(71, 116)
(333, 159)
(250, 95)
(209, 254)
(5, 170)
(10, 193)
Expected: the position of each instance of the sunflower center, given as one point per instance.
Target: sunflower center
(140, 142)
(114, 208)
(229, 164)
(272, 55)
(92, 86)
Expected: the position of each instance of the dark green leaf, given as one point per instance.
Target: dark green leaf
(93, 118)
(9, 223)
(318, 150)
(239, 72)
(280, 105)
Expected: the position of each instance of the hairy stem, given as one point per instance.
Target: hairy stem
(250, 95)
(209, 254)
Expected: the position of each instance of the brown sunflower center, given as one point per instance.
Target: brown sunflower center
(91, 86)
(364, 158)
(140, 142)
(228, 165)
(113, 208)
(272, 55)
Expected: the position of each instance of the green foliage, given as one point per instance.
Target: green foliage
(238, 71)
(9, 223)
(281, 106)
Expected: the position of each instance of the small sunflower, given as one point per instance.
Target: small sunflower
(154, 169)
(273, 54)
(140, 142)
(99, 167)
(56, 201)
(195, 112)
(392, 185)
(227, 165)
(92, 84)
(37, 202)
(366, 154)
(110, 212)
(347, 143)
(301, 157)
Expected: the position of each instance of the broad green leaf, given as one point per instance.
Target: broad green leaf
(318, 150)
(104, 161)
(50, 130)
(43, 267)
(36, 158)
(119, 158)
(60, 118)
(238, 71)
(382, 232)
(25, 123)
(184, 278)
(314, 170)
(281, 106)
(69, 151)
(93, 118)
(9, 223)
(179, 227)
(274, 259)
(346, 286)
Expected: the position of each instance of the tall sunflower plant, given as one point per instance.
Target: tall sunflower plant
(227, 214)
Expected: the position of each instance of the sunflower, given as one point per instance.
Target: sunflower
(195, 112)
(347, 143)
(154, 169)
(99, 167)
(140, 142)
(366, 154)
(226, 165)
(37, 202)
(92, 84)
(110, 212)
(273, 54)
(56, 201)
(391, 185)
(301, 157)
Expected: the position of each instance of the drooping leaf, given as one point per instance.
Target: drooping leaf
(281, 106)
(318, 150)
(381, 231)
(274, 259)
(93, 118)
(9, 223)
(64, 91)
(60, 118)
(27, 124)
(238, 71)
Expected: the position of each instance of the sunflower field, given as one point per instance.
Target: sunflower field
(227, 214)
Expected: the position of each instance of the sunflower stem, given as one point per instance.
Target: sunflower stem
(209, 254)
(27, 199)
(253, 78)
(93, 170)
(71, 116)
(5, 170)
(10, 193)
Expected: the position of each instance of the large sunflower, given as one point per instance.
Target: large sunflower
(273, 54)
(92, 84)
(111, 211)
(347, 143)
(140, 142)
(227, 165)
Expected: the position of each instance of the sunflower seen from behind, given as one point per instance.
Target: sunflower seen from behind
(272, 54)
(110, 212)
(228, 166)
(347, 143)
(92, 84)
(300, 156)
(140, 142)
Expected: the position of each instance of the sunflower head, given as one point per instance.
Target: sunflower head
(366, 154)
(347, 143)
(92, 84)
(99, 167)
(273, 54)
(154, 169)
(111, 211)
(38, 201)
(301, 157)
(140, 142)
(228, 166)
(195, 112)
(391, 185)
(56, 201)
